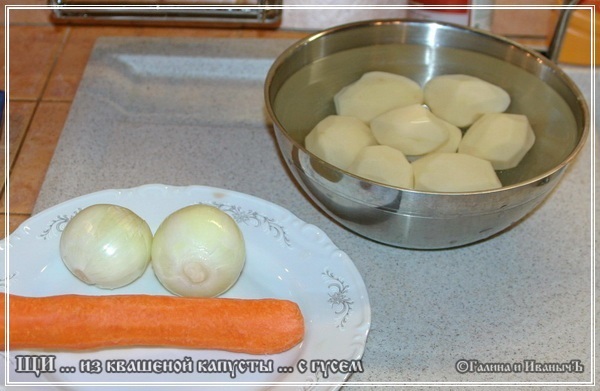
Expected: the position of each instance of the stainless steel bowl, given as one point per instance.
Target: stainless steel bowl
(299, 92)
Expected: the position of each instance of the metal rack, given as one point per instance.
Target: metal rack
(226, 13)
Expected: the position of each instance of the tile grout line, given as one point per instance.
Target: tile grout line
(37, 103)
(39, 99)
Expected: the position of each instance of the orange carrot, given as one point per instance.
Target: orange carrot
(77, 322)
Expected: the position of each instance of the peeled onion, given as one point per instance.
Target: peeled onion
(198, 251)
(106, 245)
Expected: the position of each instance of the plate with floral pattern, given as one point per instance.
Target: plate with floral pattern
(286, 258)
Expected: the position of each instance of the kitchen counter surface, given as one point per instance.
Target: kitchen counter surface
(522, 295)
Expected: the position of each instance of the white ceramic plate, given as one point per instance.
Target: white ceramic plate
(286, 258)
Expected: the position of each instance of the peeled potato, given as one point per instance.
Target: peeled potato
(501, 138)
(338, 139)
(454, 137)
(454, 172)
(375, 93)
(451, 145)
(462, 99)
(413, 130)
(383, 164)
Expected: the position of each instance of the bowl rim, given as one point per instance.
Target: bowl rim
(540, 58)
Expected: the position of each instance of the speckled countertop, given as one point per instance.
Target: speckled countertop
(190, 112)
